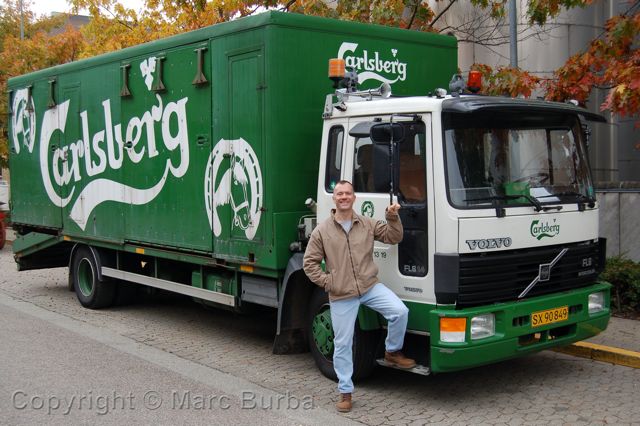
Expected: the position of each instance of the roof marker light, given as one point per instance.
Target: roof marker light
(337, 70)
(474, 82)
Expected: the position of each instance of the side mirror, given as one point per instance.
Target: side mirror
(381, 173)
(385, 136)
(387, 132)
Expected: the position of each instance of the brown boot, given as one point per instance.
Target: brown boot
(398, 359)
(344, 405)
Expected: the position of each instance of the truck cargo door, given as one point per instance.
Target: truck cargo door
(241, 214)
(31, 203)
(73, 131)
(166, 164)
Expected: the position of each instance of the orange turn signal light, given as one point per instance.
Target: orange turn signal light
(336, 68)
(453, 330)
(453, 324)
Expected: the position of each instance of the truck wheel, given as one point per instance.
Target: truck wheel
(92, 293)
(320, 336)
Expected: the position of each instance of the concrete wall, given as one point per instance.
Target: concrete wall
(620, 222)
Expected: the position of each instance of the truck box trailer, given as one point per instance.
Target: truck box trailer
(184, 164)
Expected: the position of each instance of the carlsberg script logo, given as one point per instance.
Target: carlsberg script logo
(384, 67)
(540, 230)
(89, 157)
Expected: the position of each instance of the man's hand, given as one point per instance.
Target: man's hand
(393, 208)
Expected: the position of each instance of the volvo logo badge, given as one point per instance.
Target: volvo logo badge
(544, 273)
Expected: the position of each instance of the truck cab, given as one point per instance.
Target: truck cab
(501, 254)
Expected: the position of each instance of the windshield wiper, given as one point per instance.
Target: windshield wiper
(535, 203)
(580, 198)
(500, 210)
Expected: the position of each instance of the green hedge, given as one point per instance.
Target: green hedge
(624, 274)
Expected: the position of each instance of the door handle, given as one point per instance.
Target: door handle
(202, 140)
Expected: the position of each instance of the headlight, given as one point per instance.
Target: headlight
(596, 302)
(483, 326)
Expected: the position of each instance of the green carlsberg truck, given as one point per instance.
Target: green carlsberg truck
(200, 163)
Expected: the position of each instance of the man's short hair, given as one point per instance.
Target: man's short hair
(343, 182)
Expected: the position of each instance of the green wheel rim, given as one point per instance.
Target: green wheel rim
(85, 277)
(323, 332)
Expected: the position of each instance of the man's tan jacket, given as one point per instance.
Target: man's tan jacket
(350, 270)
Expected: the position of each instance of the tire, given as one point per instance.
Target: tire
(91, 292)
(320, 337)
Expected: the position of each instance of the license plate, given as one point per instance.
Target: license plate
(549, 316)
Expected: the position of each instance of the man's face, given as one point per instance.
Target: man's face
(343, 197)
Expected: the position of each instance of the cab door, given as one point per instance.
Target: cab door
(403, 267)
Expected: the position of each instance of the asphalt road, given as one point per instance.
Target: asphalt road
(54, 371)
(193, 359)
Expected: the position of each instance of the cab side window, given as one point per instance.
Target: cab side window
(412, 170)
(334, 157)
(363, 166)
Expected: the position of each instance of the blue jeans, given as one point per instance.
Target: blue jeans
(343, 318)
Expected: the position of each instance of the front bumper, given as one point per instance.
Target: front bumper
(514, 334)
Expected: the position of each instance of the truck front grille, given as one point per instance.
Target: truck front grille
(493, 277)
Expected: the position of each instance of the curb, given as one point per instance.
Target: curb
(602, 353)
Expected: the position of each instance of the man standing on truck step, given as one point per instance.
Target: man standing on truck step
(345, 242)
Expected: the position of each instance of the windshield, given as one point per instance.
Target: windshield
(515, 159)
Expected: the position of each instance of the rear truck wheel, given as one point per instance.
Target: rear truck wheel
(320, 337)
(92, 293)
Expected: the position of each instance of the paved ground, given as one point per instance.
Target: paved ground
(113, 380)
(621, 333)
(547, 388)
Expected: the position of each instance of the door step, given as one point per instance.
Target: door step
(418, 369)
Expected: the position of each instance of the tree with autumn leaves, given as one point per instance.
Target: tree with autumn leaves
(39, 49)
(611, 61)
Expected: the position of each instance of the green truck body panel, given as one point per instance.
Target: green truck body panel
(155, 168)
